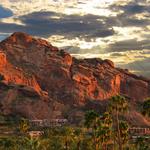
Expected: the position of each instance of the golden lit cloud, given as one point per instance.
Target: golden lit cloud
(12, 20)
(81, 7)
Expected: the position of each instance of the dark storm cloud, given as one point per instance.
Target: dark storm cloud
(4, 12)
(44, 24)
(127, 45)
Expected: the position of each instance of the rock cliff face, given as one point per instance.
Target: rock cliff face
(14, 74)
(55, 74)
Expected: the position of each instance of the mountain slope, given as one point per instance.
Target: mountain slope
(68, 81)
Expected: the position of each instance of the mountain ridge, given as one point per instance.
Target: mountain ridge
(62, 81)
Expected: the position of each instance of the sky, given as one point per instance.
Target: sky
(109, 29)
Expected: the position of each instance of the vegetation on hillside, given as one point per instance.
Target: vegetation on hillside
(107, 131)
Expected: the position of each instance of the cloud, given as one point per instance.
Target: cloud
(115, 54)
(125, 20)
(141, 67)
(133, 13)
(11, 27)
(67, 7)
(131, 44)
(112, 29)
(132, 8)
(49, 23)
(4, 12)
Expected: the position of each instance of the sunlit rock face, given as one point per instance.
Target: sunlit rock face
(66, 78)
(61, 80)
(13, 74)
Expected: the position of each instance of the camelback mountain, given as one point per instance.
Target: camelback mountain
(39, 81)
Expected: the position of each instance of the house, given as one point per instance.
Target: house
(48, 123)
(139, 131)
(34, 134)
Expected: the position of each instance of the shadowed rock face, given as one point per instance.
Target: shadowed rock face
(36, 63)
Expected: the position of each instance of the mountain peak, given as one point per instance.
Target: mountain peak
(24, 39)
(36, 63)
(20, 34)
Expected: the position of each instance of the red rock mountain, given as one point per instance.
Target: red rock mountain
(50, 82)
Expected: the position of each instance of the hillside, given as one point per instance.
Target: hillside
(41, 81)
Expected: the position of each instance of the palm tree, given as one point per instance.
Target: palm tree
(92, 121)
(124, 128)
(105, 129)
(118, 105)
(104, 135)
(107, 119)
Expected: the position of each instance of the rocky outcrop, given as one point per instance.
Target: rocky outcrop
(14, 74)
(37, 64)
(26, 102)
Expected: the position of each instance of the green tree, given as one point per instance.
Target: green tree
(146, 107)
(117, 106)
